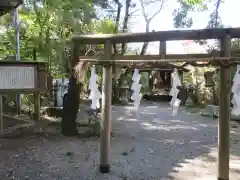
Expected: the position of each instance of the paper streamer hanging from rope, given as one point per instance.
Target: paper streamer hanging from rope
(95, 94)
(236, 93)
(136, 87)
(175, 102)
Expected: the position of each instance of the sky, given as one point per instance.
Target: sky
(229, 13)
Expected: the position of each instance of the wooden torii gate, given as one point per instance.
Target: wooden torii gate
(224, 59)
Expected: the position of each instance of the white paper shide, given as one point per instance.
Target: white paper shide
(136, 87)
(175, 102)
(236, 93)
(95, 94)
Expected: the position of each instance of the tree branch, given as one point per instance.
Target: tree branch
(149, 19)
(117, 22)
(216, 12)
(125, 23)
(143, 11)
(131, 13)
(158, 11)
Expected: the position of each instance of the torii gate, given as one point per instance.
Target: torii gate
(222, 59)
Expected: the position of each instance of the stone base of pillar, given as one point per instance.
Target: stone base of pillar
(106, 168)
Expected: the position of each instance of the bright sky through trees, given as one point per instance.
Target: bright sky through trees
(228, 11)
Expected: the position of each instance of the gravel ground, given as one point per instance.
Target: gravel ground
(150, 145)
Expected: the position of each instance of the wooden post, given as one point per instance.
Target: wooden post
(162, 49)
(106, 112)
(1, 114)
(163, 52)
(37, 106)
(181, 76)
(224, 113)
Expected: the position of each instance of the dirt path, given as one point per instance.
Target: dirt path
(150, 145)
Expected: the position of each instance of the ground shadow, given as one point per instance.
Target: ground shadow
(149, 144)
(163, 140)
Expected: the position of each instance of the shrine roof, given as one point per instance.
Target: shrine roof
(157, 66)
(8, 5)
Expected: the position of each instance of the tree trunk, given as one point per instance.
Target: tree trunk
(150, 83)
(115, 84)
(125, 24)
(71, 102)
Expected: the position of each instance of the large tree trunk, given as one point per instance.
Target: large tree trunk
(71, 99)
(70, 108)
(150, 80)
(115, 84)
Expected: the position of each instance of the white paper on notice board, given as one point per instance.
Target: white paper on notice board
(13, 77)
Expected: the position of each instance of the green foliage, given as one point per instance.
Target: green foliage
(105, 26)
(198, 3)
(47, 25)
(181, 18)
